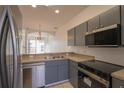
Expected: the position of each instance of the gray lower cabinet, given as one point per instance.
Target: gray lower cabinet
(56, 71)
(51, 74)
(117, 83)
(122, 24)
(73, 73)
(63, 72)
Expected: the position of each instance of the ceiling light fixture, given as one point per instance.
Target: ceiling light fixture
(57, 11)
(34, 6)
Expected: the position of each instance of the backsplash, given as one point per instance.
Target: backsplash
(111, 55)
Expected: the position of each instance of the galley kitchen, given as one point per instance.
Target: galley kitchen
(62, 46)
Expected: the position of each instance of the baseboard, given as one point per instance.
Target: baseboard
(56, 83)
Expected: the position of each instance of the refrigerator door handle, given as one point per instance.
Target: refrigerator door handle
(3, 73)
(15, 51)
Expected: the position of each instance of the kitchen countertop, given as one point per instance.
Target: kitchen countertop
(64, 56)
(118, 74)
(80, 57)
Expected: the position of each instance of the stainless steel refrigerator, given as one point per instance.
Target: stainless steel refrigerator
(10, 25)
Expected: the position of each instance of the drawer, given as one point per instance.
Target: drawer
(63, 62)
(29, 65)
(52, 63)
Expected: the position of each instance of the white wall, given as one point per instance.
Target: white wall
(112, 55)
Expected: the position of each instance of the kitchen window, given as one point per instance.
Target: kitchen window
(37, 42)
(36, 46)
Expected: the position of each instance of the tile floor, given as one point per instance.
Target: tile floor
(62, 85)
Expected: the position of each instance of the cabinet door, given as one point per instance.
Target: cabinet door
(93, 24)
(80, 34)
(27, 77)
(110, 17)
(51, 74)
(116, 83)
(71, 37)
(122, 24)
(73, 73)
(62, 72)
(38, 76)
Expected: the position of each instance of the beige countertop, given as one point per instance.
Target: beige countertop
(118, 74)
(80, 58)
(44, 58)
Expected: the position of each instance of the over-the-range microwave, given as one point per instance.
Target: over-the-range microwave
(108, 36)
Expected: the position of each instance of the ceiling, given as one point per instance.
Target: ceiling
(43, 17)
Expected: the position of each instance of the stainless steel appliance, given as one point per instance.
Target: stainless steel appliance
(107, 36)
(96, 74)
(10, 24)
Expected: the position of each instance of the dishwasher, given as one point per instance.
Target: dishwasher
(33, 75)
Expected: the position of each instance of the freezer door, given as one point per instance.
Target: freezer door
(9, 53)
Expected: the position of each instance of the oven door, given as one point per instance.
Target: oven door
(89, 80)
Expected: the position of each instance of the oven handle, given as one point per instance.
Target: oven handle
(97, 78)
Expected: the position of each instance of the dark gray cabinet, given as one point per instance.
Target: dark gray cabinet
(116, 83)
(56, 71)
(80, 31)
(110, 17)
(93, 24)
(107, 18)
(51, 74)
(63, 72)
(73, 73)
(122, 25)
(71, 37)
(115, 15)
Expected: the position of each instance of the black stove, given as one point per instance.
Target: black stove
(100, 69)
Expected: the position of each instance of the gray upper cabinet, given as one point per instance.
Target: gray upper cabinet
(110, 17)
(80, 34)
(107, 18)
(93, 24)
(71, 37)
